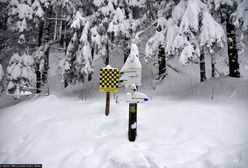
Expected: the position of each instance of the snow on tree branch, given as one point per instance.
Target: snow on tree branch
(20, 73)
(211, 32)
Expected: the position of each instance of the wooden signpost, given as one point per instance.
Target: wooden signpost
(109, 78)
(130, 76)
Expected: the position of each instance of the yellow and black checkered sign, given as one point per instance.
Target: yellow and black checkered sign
(109, 78)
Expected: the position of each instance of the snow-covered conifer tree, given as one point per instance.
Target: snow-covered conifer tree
(67, 64)
(127, 19)
(25, 17)
(212, 38)
(188, 35)
(155, 48)
(84, 60)
(78, 20)
(40, 61)
(198, 31)
(21, 12)
(78, 62)
(159, 47)
(20, 73)
(102, 19)
(96, 42)
(234, 14)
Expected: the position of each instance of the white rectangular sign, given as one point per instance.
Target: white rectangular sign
(136, 97)
(131, 76)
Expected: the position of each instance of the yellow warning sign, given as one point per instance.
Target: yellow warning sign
(109, 78)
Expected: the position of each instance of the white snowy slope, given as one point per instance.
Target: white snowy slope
(61, 132)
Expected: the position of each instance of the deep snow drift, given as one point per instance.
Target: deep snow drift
(62, 132)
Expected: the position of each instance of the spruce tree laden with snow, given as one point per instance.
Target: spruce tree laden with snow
(212, 38)
(125, 18)
(158, 47)
(24, 17)
(126, 21)
(133, 18)
(96, 42)
(78, 63)
(84, 58)
(104, 14)
(57, 14)
(191, 32)
(20, 73)
(40, 61)
(155, 48)
(234, 15)
(28, 17)
(66, 65)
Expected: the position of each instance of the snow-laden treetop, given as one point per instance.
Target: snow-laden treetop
(190, 29)
(132, 61)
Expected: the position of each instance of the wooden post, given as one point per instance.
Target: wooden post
(132, 126)
(202, 66)
(107, 93)
(107, 103)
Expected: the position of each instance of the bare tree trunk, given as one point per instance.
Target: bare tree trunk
(161, 61)
(63, 37)
(213, 66)
(46, 66)
(232, 49)
(60, 23)
(107, 53)
(40, 33)
(202, 66)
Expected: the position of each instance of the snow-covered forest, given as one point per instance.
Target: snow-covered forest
(189, 91)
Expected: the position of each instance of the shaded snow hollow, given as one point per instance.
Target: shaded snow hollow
(61, 132)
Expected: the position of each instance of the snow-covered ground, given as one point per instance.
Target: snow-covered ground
(62, 132)
(187, 124)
